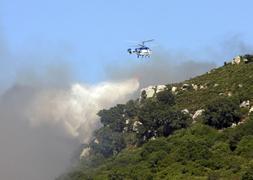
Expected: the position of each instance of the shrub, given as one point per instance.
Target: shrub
(248, 174)
(245, 147)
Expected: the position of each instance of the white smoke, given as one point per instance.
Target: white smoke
(76, 109)
(42, 126)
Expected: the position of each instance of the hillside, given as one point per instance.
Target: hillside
(201, 128)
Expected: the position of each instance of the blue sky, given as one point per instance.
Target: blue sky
(89, 35)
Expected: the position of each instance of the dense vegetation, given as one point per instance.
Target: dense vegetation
(222, 113)
(156, 138)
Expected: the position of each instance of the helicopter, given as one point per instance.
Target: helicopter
(142, 50)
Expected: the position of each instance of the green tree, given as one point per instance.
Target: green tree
(113, 117)
(161, 119)
(166, 97)
(131, 109)
(109, 142)
(221, 113)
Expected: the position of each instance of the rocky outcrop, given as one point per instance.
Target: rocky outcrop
(251, 110)
(185, 111)
(203, 86)
(85, 152)
(135, 126)
(150, 91)
(245, 104)
(160, 88)
(195, 87)
(197, 114)
(174, 89)
(239, 59)
(236, 60)
(185, 87)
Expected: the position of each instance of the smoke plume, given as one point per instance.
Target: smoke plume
(43, 123)
(75, 109)
(162, 68)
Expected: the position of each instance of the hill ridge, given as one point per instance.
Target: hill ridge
(190, 130)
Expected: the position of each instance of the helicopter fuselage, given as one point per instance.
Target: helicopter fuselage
(141, 52)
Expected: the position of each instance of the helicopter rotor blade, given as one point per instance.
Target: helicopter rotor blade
(142, 45)
(148, 41)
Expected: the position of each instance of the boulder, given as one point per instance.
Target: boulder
(85, 152)
(203, 87)
(153, 138)
(135, 126)
(233, 125)
(245, 104)
(197, 114)
(96, 141)
(174, 89)
(125, 129)
(237, 60)
(185, 87)
(251, 110)
(160, 88)
(195, 87)
(150, 91)
(185, 111)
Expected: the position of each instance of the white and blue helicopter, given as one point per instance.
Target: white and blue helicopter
(142, 50)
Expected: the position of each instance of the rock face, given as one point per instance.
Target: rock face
(152, 90)
(236, 60)
(251, 110)
(197, 114)
(160, 88)
(245, 104)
